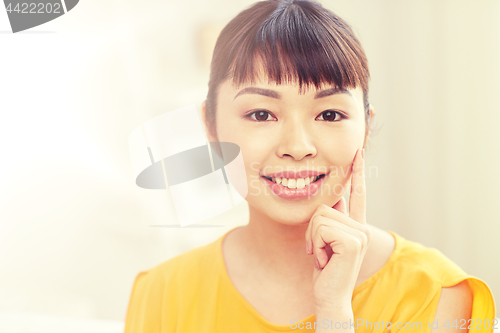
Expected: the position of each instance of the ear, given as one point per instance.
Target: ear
(208, 132)
(372, 114)
(369, 125)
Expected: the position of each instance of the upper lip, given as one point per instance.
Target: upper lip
(294, 174)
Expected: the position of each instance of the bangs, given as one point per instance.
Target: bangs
(297, 42)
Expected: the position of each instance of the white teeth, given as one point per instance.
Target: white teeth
(294, 183)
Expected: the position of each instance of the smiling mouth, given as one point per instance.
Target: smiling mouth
(295, 183)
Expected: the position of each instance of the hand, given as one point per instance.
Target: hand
(338, 242)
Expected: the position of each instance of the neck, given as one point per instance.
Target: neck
(278, 248)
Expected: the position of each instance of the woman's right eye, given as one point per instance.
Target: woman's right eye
(260, 115)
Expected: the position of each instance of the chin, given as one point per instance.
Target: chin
(291, 218)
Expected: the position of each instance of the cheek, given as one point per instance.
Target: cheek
(342, 142)
(253, 144)
(253, 157)
(252, 153)
(338, 150)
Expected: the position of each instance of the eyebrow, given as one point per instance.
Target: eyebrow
(259, 91)
(332, 91)
(274, 94)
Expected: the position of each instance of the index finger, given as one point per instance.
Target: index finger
(357, 199)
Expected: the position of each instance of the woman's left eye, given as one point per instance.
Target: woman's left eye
(331, 116)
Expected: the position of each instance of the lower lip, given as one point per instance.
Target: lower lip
(294, 193)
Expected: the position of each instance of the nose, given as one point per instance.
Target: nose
(296, 141)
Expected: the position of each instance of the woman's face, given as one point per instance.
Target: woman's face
(279, 129)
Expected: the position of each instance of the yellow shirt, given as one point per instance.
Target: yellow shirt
(192, 293)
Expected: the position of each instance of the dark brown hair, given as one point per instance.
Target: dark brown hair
(296, 40)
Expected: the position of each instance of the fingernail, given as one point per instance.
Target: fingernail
(307, 247)
(363, 153)
(316, 263)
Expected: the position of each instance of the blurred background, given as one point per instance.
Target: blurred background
(75, 230)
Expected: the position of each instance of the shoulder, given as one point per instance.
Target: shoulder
(182, 271)
(426, 264)
(177, 282)
(444, 290)
(415, 277)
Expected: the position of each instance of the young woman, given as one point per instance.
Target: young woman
(289, 86)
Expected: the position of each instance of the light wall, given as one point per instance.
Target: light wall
(75, 229)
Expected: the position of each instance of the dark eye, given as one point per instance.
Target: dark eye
(331, 115)
(259, 115)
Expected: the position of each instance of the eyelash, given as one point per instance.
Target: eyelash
(330, 121)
